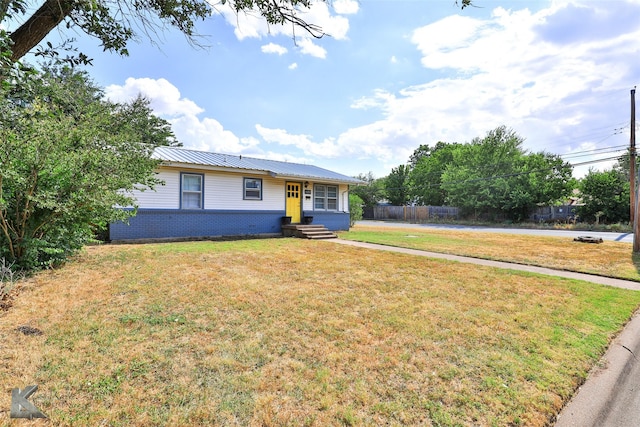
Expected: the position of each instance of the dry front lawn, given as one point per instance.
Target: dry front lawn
(291, 332)
(611, 259)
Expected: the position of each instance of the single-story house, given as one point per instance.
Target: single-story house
(214, 195)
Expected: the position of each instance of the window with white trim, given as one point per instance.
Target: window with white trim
(326, 197)
(191, 191)
(252, 189)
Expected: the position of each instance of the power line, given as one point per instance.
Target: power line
(622, 146)
(618, 128)
(593, 153)
(596, 161)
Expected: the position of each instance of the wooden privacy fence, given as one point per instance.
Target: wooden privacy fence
(555, 213)
(410, 213)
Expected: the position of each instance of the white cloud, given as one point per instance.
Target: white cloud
(293, 66)
(309, 48)
(442, 43)
(252, 25)
(320, 14)
(203, 134)
(346, 7)
(209, 135)
(274, 48)
(512, 69)
(327, 148)
(286, 157)
(165, 98)
(380, 99)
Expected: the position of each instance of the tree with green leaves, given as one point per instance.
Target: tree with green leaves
(138, 118)
(476, 180)
(425, 178)
(539, 179)
(605, 196)
(115, 22)
(418, 154)
(371, 192)
(68, 159)
(396, 185)
(495, 178)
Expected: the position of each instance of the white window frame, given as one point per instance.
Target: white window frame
(321, 197)
(257, 189)
(183, 192)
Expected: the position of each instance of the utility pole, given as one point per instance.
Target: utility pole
(632, 173)
(632, 158)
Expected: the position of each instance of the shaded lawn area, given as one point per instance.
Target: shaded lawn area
(611, 259)
(294, 332)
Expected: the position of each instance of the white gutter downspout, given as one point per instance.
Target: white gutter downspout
(343, 202)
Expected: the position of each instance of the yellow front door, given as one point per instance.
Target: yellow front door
(294, 205)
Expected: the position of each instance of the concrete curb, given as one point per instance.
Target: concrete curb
(610, 396)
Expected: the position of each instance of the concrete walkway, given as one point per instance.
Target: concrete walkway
(610, 397)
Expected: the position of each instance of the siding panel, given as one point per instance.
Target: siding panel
(225, 191)
(221, 191)
(164, 196)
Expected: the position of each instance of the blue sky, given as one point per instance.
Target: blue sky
(393, 75)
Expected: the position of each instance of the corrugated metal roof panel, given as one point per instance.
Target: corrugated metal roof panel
(275, 168)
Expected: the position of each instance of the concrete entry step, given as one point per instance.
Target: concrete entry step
(307, 231)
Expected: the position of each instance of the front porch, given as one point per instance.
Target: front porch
(308, 231)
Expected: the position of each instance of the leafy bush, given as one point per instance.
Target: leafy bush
(68, 160)
(355, 209)
(606, 197)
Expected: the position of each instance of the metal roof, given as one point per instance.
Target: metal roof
(272, 167)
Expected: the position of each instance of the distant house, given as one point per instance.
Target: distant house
(214, 195)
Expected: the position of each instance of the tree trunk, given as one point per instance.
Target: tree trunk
(4, 7)
(36, 28)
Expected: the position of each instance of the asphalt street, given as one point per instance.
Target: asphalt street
(570, 234)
